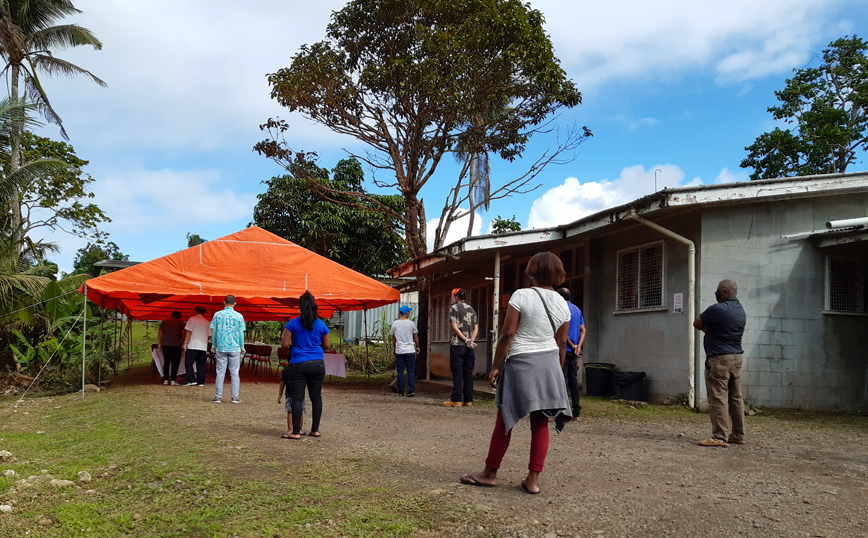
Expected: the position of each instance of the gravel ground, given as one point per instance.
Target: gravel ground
(604, 477)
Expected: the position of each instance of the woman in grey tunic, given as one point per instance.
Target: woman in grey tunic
(527, 370)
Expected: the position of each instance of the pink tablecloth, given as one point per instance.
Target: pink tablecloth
(336, 364)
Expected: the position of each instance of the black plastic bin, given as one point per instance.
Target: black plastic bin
(600, 378)
(630, 386)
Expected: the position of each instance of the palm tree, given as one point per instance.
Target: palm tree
(22, 273)
(27, 37)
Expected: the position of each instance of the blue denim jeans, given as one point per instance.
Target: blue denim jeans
(406, 360)
(233, 360)
(308, 374)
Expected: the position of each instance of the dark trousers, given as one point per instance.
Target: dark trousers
(197, 357)
(171, 362)
(308, 374)
(408, 361)
(571, 375)
(461, 361)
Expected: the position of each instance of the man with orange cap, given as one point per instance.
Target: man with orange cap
(465, 326)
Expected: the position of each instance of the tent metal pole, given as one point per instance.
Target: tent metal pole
(101, 344)
(83, 339)
(367, 359)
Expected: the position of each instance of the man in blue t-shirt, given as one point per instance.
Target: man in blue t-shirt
(723, 324)
(575, 341)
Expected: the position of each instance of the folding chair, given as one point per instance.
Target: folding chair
(211, 360)
(282, 360)
(249, 354)
(263, 356)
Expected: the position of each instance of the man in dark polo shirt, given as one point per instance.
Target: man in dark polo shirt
(723, 325)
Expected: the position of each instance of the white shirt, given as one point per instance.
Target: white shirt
(200, 330)
(402, 331)
(534, 331)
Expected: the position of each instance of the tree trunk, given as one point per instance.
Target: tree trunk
(417, 245)
(14, 164)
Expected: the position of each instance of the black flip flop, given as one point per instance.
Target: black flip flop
(529, 491)
(469, 480)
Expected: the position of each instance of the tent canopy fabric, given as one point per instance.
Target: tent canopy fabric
(266, 273)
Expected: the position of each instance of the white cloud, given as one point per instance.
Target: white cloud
(192, 74)
(457, 229)
(145, 201)
(644, 122)
(737, 40)
(573, 200)
(725, 176)
(186, 74)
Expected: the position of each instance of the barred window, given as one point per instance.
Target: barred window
(640, 277)
(439, 318)
(845, 285)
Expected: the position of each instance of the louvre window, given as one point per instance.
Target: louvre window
(640, 277)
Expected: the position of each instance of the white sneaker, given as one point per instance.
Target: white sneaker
(193, 384)
(174, 383)
(165, 382)
(236, 400)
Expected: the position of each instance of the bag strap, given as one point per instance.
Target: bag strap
(549, 314)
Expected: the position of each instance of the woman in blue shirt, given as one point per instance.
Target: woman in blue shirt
(308, 336)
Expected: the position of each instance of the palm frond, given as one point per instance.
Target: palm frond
(63, 36)
(55, 66)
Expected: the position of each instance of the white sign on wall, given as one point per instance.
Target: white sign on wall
(679, 304)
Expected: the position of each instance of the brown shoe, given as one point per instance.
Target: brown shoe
(452, 404)
(713, 441)
(468, 404)
(734, 441)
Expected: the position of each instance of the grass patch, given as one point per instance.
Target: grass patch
(152, 480)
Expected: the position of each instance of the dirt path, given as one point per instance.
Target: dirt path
(604, 477)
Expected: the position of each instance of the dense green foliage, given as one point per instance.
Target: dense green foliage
(194, 239)
(57, 198)
(500, 225)
(88, 255)
(334, 225)
(827, 107)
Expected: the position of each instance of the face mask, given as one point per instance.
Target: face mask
(718, 296)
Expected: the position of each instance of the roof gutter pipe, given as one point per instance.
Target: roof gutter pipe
(692, 369)
(846, 223)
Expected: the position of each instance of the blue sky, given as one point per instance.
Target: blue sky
(678, 86)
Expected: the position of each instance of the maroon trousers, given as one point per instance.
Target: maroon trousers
(539, 442)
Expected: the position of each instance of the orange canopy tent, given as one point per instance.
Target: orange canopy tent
(265, 272)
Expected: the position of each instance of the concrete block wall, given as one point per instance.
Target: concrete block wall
(654, 342)
(796, 355)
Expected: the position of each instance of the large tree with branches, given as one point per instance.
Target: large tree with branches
(417, 80)
(827, 107)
